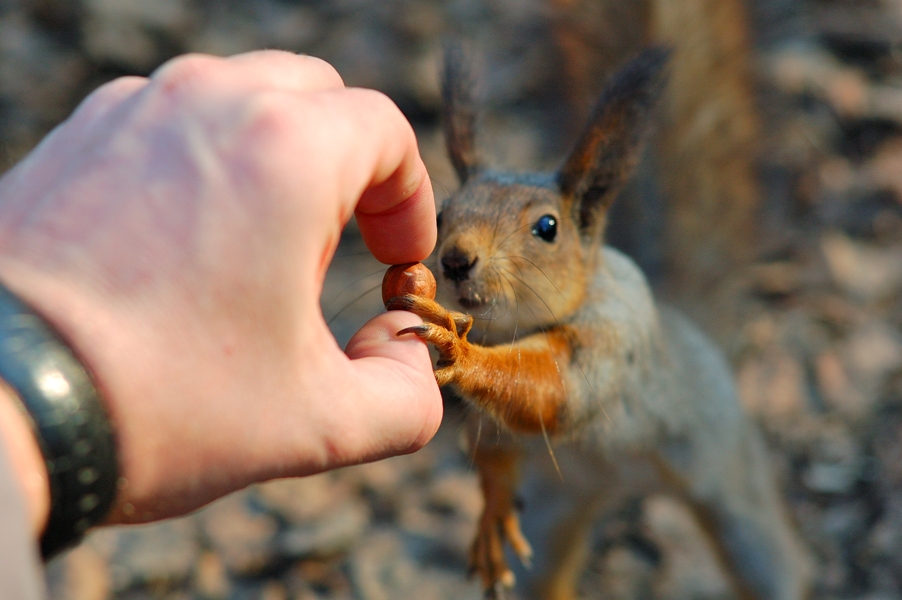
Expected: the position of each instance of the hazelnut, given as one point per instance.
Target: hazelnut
(410, 278)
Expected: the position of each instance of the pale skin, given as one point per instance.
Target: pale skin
(176, 230)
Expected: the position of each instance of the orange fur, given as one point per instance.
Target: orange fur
(498, 478)
(517, 384)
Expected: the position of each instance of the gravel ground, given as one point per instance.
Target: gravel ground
(817, 354)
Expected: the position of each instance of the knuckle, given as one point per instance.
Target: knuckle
(188, 72)
(268, 120)
(378, 104)
(266, 131)
(106, 97)
(114, 89)
(298, 64)
(326, 70)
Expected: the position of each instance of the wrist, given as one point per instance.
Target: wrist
(26, 460)
(69, 460)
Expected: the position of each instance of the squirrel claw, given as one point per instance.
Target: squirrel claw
(517, 540)
(428, 310)
(405, 302)
(487, 559)
(496, 592)
(418, 330)
(432, 312)
(446, 341)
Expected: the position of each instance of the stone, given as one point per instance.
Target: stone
(835, 385)
(381, 569)
(836, 461)
(772, 384)
(865, 271)
(440, 521)
(40, 81)
(244, 538)
(690, 568)
(457, 492)
(884, 171)
(80, 574)
(382, 478)
(293, 27)
(211, 582)
(322, 514)
(273, 590)
(160, 554)
(331, 533)
(127, 33)
(623, 575)
(873, 350)
(301, 500)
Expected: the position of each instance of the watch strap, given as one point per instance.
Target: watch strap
(69, 419)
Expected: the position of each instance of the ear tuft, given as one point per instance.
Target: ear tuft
(459, 111)
(608, 150)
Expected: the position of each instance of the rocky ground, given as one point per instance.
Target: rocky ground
(817, 356)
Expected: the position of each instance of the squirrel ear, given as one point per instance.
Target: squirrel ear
(459, 113)
(609, 148)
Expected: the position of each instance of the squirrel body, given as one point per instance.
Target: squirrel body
(571, 349)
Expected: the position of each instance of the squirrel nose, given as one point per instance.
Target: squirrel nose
(456, 265)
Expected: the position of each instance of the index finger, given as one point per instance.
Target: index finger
(397, 218)
(395, 207)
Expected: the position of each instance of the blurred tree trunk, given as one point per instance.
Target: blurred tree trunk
(708, 143)
(704, 152)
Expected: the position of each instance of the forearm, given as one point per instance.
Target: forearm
(24, 503)
(25, 460)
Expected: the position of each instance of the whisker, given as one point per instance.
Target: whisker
(478, 433)
(357, 280)
(520, 278)
(354, 254)
(439, 189)
(548, 445)
(516, 313)
(514, 343)
(495, 226)
(516, 231)
(503, 243)
(360, 297)
(515, 258)
(492, 318)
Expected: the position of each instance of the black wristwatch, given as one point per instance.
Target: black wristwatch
(69, 420)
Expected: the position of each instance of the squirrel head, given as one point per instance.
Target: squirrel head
(517, 251)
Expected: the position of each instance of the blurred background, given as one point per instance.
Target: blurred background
(769, 207)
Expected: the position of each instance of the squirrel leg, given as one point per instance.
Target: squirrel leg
(499, 523)
(741, 512)
(569, 547)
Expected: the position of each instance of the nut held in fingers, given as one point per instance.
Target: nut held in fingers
(410, 278)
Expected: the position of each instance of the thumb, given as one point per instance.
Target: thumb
(397, 404)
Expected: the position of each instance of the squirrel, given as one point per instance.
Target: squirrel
(575, 352)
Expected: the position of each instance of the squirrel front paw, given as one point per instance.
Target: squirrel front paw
(446, 330)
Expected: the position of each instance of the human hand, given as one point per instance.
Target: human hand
(176, 230)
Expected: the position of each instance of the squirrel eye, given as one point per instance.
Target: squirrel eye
(438, 220)
(545, 228)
